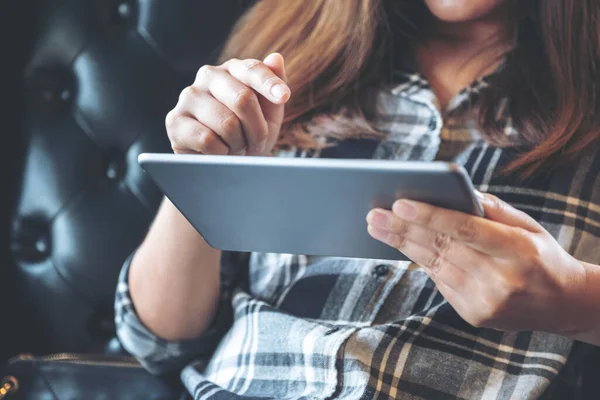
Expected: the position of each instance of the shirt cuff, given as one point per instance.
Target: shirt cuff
(157, 355)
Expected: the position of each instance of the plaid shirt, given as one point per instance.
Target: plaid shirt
(304, 327)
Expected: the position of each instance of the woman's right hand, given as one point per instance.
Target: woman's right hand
(236, 108)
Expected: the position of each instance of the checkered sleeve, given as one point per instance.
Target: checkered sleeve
(160, 356)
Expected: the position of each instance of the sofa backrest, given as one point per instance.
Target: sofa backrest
(97, 80)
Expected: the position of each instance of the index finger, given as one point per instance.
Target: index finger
(487, 236)
(259, 77)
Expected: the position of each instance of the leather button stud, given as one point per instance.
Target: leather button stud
(121, 14)
(115, 169)
(65, 95)
(113, 346)
(51, 89)
(125, 10)
(42, 246)
(30, 240)
(381, 270)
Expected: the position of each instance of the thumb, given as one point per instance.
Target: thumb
(502, 212)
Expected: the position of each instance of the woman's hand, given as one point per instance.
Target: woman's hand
(504, 271)
(235, 108)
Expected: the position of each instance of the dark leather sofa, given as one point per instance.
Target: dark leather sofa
(85, 86)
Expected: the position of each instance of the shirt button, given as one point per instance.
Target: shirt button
(332, 330)
(381, 270)
(432, 124)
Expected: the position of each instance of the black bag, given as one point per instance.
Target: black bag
(78, 376)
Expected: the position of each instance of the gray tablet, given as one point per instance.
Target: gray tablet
(299, 205)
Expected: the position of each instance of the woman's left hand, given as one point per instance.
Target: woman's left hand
(504, 271)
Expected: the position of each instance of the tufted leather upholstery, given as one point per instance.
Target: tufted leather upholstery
(96, 80)
(85, 85)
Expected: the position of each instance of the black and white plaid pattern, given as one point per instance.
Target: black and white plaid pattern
(303, 327)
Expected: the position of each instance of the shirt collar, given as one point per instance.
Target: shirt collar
(407, 80)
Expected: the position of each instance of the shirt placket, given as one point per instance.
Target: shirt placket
(387, 274)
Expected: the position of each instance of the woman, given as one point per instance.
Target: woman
(502, 307)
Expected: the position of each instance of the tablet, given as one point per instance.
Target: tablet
(300, 205)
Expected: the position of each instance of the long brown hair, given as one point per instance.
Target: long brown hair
(334, 52)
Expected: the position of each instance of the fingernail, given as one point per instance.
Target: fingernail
(259, 148)
(479, 195)
(279, 91)
(404, 209)
(378, 234)
(380, 220)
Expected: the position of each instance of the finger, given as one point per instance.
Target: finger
(274, 113)
(267, 78)
(276, 62)
(500, 211)
(260, 77)
(482, 234)
(216, 116)
(459, 300)
(435, 264)
(466, 257)
(243, 101)
(189, 136)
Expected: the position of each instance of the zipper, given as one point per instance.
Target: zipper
(8, 386)
(80, 359)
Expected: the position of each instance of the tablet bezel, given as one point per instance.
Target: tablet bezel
(192, 180)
